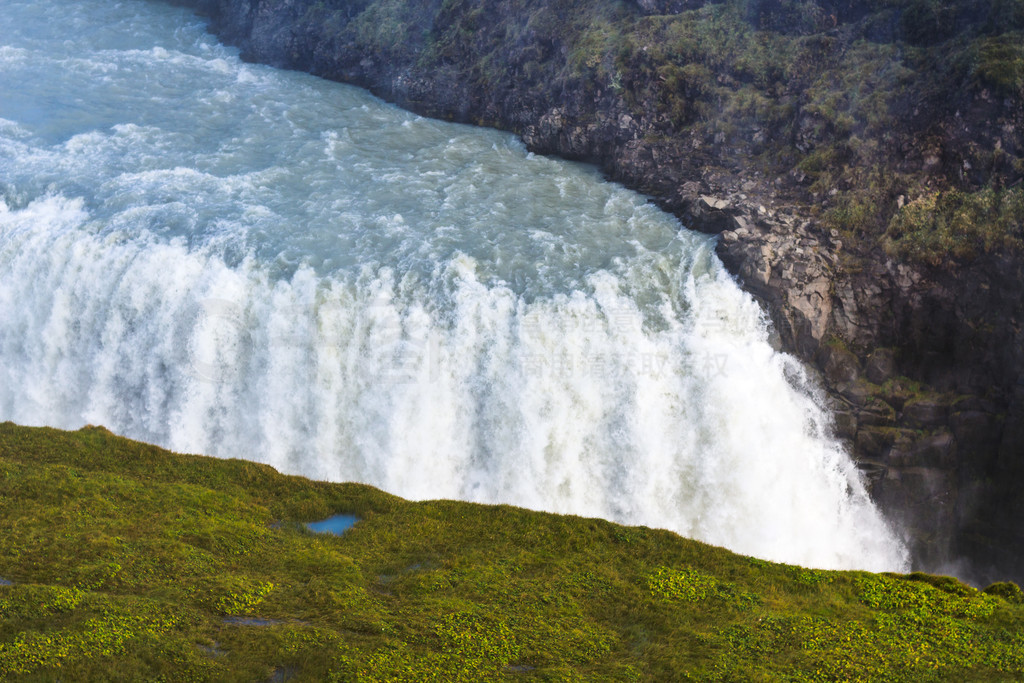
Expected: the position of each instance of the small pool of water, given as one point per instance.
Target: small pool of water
(337, 525)
(251, 621)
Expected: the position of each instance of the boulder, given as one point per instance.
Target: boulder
(875, 442)
(845, 425)
(925, 413)
(840, 365)
(975, 427)
(880, 366)
(935, 450)
(858, 393)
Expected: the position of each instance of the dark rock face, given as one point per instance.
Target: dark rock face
(881, 366)
(923, 358)
(668, 6)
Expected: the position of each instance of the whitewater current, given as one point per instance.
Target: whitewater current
(223, 258)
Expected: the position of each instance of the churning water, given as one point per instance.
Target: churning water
(223, 258)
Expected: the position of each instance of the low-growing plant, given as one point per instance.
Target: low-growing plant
(435, 590)
(958, 225)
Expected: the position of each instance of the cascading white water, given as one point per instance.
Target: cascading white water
(223, 258)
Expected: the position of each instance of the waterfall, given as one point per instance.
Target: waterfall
(221, 258)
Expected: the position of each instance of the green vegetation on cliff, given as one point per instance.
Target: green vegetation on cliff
(851, 109)
(131, 563)
(959, 224)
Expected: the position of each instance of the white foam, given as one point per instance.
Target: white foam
(225, 259)
(566, 404)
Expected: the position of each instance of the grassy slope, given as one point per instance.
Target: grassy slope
(129, 563)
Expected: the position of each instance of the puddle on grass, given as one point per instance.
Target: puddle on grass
(212, 650)
(337, 525)
(282, 674)
(251, 621)
(260, 621)
(5, 582)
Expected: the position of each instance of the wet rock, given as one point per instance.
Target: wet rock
(930, 484)
(875, 442)
(758, 269)
(975, 427)
(709, 203)
(936, 450)
(898, 391)
(857, 392)
(1011, 453)
(925, 413)
(840, 365)
(743, 225)
(872, 470)
(709, 214)
(926, 498)
(811, 307)
(880, 366)
(972, 403)
(877, 413)
(845, 424)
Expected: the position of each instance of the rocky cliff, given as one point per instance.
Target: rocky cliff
(861, 159)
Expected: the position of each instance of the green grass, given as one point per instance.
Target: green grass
(958, 225)
(132, 563)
